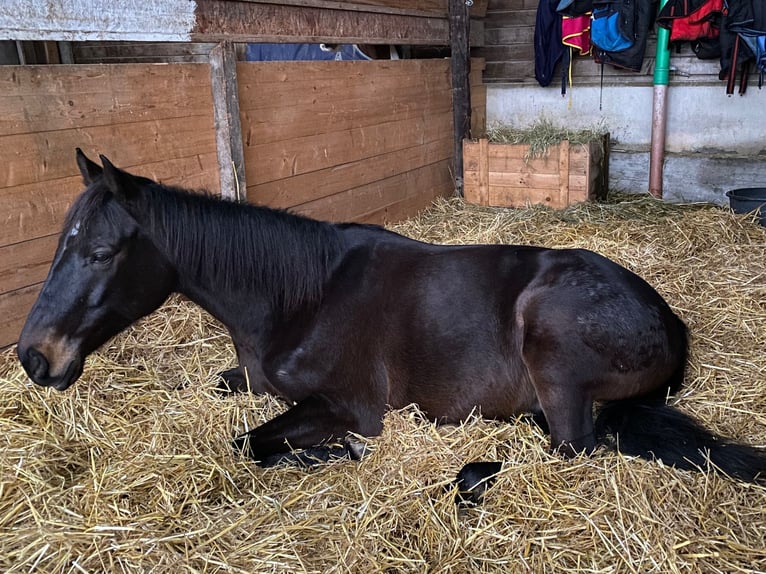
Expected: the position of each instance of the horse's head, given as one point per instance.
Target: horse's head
(105, 275)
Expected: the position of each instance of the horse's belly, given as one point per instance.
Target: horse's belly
(449, 392)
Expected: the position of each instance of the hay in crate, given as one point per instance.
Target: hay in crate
(131, 471)
(542, 134)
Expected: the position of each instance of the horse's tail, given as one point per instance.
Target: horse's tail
(651, 429)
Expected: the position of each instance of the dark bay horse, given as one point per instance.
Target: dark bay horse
(346, 320)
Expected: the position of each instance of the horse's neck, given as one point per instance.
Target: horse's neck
(228, 257)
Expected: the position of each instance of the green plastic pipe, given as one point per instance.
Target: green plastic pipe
(659, 108)
(662, 61)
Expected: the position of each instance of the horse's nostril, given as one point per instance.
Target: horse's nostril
(37, 364)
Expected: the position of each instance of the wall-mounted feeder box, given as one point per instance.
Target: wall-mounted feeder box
(508, 175)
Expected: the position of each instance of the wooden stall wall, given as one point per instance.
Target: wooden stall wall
(362, 141)
(156, 120)
(368, 141)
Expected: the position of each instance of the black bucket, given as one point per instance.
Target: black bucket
(747, 200)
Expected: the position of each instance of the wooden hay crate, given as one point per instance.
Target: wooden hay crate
(500, 175)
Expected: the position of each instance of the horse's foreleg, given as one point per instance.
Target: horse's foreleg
(232, 381)
(569, 413)
(310, 424)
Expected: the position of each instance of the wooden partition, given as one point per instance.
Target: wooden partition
(155, 120)
(368, 141)
(361, 141)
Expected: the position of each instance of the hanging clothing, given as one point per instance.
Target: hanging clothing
(548, 47)
(743, 41)
(692, 19)
(641, 14)
(575, 36)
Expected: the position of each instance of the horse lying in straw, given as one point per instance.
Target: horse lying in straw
(345, 321)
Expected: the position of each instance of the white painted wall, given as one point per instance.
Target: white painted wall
(699, 117)
(714, 142)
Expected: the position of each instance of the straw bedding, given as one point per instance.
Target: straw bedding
(130, 470)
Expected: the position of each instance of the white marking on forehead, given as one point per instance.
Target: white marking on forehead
(72, 233)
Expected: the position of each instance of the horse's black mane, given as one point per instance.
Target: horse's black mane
(228, 246)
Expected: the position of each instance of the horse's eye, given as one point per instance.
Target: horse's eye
(101, 257)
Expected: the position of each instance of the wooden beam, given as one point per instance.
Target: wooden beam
(381, 22)
(460, 61)
(228, 129)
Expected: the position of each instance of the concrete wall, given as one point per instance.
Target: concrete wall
(714, 142)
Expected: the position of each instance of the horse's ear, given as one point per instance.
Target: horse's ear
(90, 170)
(120, 183)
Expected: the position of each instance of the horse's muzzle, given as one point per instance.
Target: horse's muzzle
(37, 368)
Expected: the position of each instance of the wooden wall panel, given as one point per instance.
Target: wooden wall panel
(347, 140)
(155, 120)
(364, 141)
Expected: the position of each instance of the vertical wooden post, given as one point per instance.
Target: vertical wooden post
(564, 174)
(483, 171)
(228, 128)
(460, 61)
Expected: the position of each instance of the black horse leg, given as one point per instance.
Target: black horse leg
(232, 381)
(309, 424)
(569, 413)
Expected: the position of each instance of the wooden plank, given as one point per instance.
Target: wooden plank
(44, 156)
(370, 201)
(218, 20)
(422, 7)
(510, 72)
(564, 170)
(521, 197)
(271, 113)
(38, 209)
(26, 263)
(352, 70)
(14, 307)
(337, 95)
(483, 188)
(113, 52)
(479, 8)
(290, 123)
(506, 18)
(506, 53)
(460, 68)
(307, 187)
(501, 5)
(411, 205)
(48, 98)
(478, 98)
(525, 179)
(269, 162)
(228, 129)
(298, 83)
(518, 36)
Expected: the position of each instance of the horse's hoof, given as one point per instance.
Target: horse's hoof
(473, 480)
(231, 381)
(357, 449)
